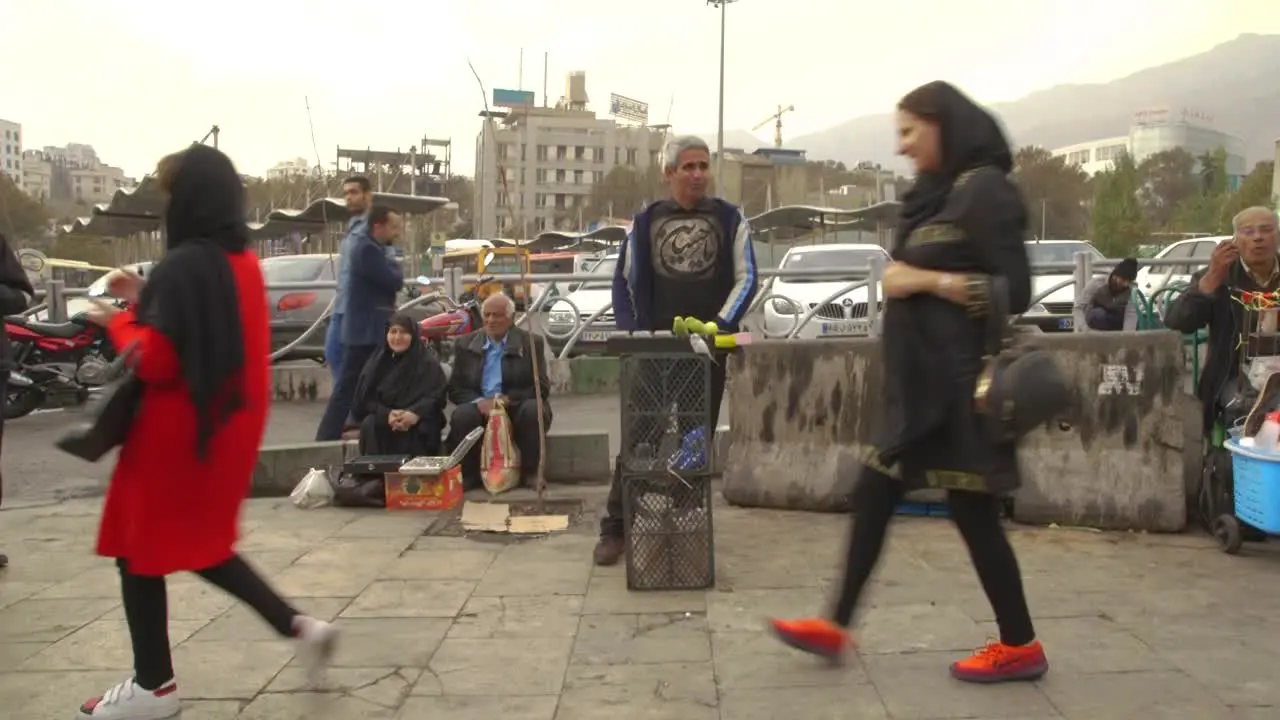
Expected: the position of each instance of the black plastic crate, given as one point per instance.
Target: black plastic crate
(666, 413)
(669, 532)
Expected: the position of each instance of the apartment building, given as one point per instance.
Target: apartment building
(11, 150)
(71, 172)
(286, 169)
(551, 158)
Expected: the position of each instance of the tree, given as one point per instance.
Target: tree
(21, 217)
(1202, 212)
(1118, 223)
(625, 190)
(1254, 191)
(1169, 181)
(1056, 193)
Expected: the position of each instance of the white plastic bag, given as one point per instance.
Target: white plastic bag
(314, 491)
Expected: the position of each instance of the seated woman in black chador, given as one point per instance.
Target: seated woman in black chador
(399, 402)
(962, 227)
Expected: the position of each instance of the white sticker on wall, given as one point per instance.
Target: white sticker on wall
(1120, 380)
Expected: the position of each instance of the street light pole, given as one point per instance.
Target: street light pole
(720, 122)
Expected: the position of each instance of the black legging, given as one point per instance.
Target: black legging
(146, 608)
(977, 516)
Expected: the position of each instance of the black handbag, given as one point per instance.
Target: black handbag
(1021, 387)
(112, 413)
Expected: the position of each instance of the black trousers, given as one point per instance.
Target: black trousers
(524, 426)
(337, 410)
(146, 609)
(976, 515)
(611, 523)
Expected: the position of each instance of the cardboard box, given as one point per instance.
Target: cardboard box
(416, 491)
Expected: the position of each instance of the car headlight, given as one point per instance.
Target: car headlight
(783, 306)
(561, 317)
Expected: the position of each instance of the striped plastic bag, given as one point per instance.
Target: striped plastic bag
(500, 458)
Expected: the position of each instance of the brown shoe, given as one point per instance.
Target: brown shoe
(608, 550)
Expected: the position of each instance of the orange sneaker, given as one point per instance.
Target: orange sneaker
(998, 662)
(814, 635)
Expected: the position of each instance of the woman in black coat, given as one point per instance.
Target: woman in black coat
(15, 296)
(961, 234)
(399, 401)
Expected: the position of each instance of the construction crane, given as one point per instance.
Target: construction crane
(776, 119)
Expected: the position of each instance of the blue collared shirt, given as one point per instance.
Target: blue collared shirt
(358, 226)
(491, 373)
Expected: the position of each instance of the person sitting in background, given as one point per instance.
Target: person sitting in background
(400, 398)
(498, 363)
(1109, 298)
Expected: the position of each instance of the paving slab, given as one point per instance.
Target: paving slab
(455, 627)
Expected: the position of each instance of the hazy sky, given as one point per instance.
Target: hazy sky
(139, 78)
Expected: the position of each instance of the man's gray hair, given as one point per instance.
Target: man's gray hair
(676, 146)
(503, 300)
(1235, 221)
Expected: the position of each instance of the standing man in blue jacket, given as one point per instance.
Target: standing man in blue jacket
(375, 279)
(688, 255)
(358, 195)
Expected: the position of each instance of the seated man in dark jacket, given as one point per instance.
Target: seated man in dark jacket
(497, 362)
(1109, 301)
(1246, 263)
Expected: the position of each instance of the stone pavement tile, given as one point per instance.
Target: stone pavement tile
(562, 547)
(1239, 675)
(321, 580)
(268, 539)
(750, 610)
(640, 639)
(95, 582)
(270, 562)
(451, 543)
(668, 691)
(387, 686)
(518, 617)
(228, 670)
(529, 666)
(52, 695)
(48, 567)
(834, 702)
(210, 709)
(1157, 695)
(410, 599)
(758, 660)
(1203, 633)
(381, 524)
(438, 565)
(915, 627)
(479, 707)
(356, 552)
(242, 623)
(1093, 645)
(917, 685)
(100, 645)
(13, 654)
(388, 642)
(1255, 713)
(313, 706)
(12, 591)
(49, 620)
(607, 594)
(515, 576)
(191, 598)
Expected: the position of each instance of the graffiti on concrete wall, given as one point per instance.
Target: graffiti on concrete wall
(1120, 380)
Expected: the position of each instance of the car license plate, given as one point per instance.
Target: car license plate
(1066, 323)
(594, 336)
(848, 327)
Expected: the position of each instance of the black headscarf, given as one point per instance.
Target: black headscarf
(13, 278)
(192, 295)
(399, 381)
(971, 138)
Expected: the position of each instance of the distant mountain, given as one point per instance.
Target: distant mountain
(1235, 83)
(734, 139)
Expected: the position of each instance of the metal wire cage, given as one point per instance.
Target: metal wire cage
(668, 530)
(666, 413)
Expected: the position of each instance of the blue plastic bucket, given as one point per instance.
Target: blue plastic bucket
(1257, 486)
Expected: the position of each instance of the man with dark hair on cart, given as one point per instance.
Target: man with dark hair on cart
(689, 255)
(1246, 264)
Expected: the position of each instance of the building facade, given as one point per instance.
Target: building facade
(72, 172)
(285, 169)
(1156, 130)
(11, 151)
(552, 157)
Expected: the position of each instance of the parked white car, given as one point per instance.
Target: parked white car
(1055, 311)
(1152, 280)
(844, 316)
(587, 298)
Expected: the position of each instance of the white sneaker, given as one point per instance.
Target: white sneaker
(128, 701)
(317, 640)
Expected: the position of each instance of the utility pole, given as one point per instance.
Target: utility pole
(722, 4)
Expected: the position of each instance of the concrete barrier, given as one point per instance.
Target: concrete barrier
(571, 457)
(802, 416)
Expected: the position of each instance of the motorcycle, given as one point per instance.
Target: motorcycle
(462, 319)
(56, 362)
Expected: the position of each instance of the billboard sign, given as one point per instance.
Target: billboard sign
(625, 108)
(513, 98)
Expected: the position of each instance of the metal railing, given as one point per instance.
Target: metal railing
(566, 327)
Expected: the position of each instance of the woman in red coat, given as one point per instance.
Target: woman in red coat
(201, 345)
